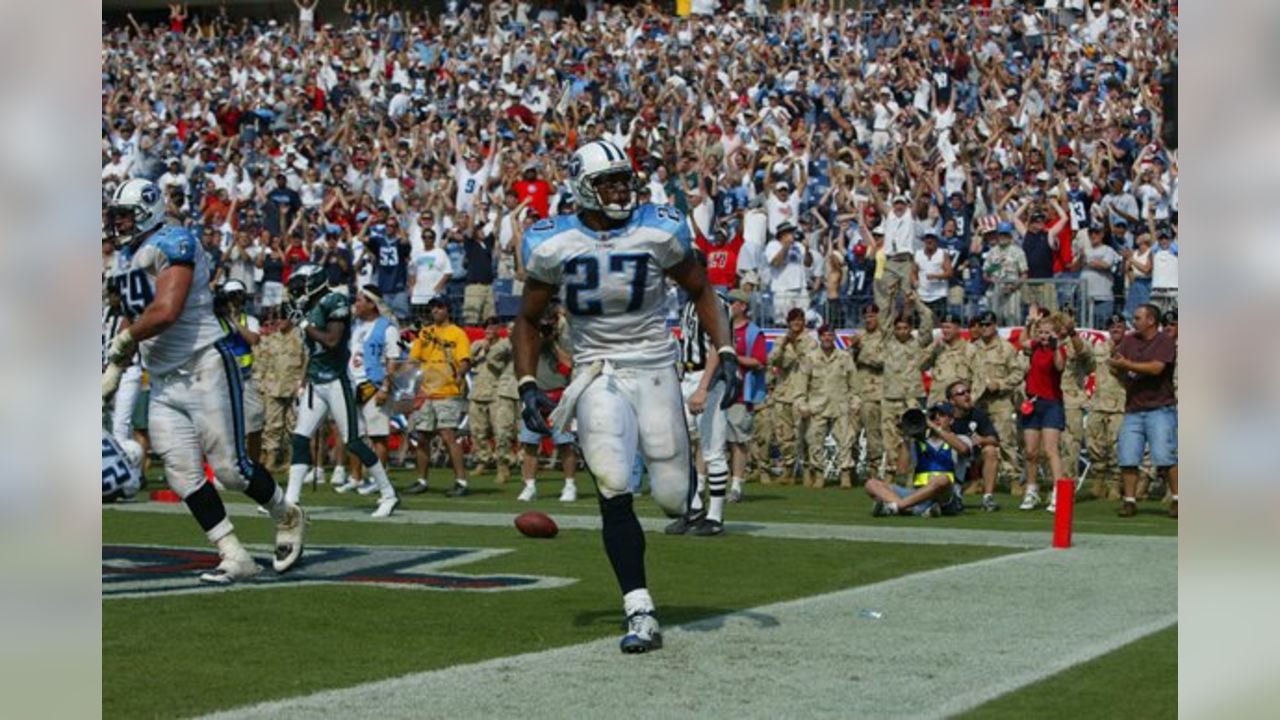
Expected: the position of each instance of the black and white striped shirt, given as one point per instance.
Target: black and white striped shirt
(694, 343)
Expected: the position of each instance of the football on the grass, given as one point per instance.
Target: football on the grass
(536, 525)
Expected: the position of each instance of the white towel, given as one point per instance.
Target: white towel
(563, 414)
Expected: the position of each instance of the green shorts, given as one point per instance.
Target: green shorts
(440, 414)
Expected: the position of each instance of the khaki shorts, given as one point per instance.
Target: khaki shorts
(439, 414)
(740, 422)
(377, 421)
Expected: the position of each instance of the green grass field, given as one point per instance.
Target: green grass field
(254, 645)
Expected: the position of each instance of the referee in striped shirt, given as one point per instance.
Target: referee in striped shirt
(707, 423)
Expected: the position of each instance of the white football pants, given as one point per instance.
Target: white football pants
(711, 427)
(197, 413)
(630, 408)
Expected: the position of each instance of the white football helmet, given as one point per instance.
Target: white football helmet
(593, 161)
(139, 200)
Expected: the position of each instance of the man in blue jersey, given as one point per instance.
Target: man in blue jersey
(197, 398)
(609, 259)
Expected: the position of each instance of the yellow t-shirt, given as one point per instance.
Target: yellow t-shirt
(440, 351)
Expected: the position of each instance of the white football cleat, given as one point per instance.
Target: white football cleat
(643, 634)
(347, 487)
(232, 570)
(386, 506)
(368, 487)
(339, 476)
(289, 534)
(569, 494)
(529, 493)
(1030, 500)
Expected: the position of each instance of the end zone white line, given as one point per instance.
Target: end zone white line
(926, 532)
(949, 640)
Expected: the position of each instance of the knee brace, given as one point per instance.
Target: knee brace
(301, 449)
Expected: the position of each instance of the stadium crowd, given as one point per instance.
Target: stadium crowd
(846, 165)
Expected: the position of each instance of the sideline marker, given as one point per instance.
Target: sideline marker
(1063, 512)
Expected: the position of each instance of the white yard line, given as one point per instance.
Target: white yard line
(949, 640)
(924, 532)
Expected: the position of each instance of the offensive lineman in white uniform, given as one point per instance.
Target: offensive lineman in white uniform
(609, 259)
(196, 402)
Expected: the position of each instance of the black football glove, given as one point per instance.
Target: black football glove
(536, 405)
(727, 372)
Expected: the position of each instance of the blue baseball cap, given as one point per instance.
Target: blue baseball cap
(1005, 228)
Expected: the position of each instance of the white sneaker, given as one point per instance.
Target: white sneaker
(1053, 501)
(339, 476)
(368, 487)
(289, 534)
(315, 477)
(529, 493)
(231, 570)
(348, 486)
(385, 507)
(643, 634)
(1030, 500)
(569, 494)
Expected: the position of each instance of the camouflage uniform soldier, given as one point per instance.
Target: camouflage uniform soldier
(1074, 397)
(1105, 417)
(903, 386)
(828, 401)
(787, 356)
(483, 396)
(868, 355)
(281, 361)
(506, 411)
(759, 452)
(950, 359)
(1004, 370)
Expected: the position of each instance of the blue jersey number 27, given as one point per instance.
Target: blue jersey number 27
(583, 275)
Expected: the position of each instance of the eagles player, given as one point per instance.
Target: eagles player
(196, 405)
(324, 318)
(610, 259)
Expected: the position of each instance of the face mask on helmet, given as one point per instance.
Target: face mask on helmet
(136, 208)
(616, 194)
(305, 286)
(602, 180)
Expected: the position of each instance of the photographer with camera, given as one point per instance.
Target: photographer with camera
(443, 351)
(935, 456)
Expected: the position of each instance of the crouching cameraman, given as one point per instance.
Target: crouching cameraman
(935, 456)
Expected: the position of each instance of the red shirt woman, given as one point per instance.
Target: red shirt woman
(1043, 415)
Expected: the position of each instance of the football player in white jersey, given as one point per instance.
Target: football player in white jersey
(121, 468)
(196, 406)
(609, 259)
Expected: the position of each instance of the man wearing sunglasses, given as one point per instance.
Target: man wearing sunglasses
(973, 423)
